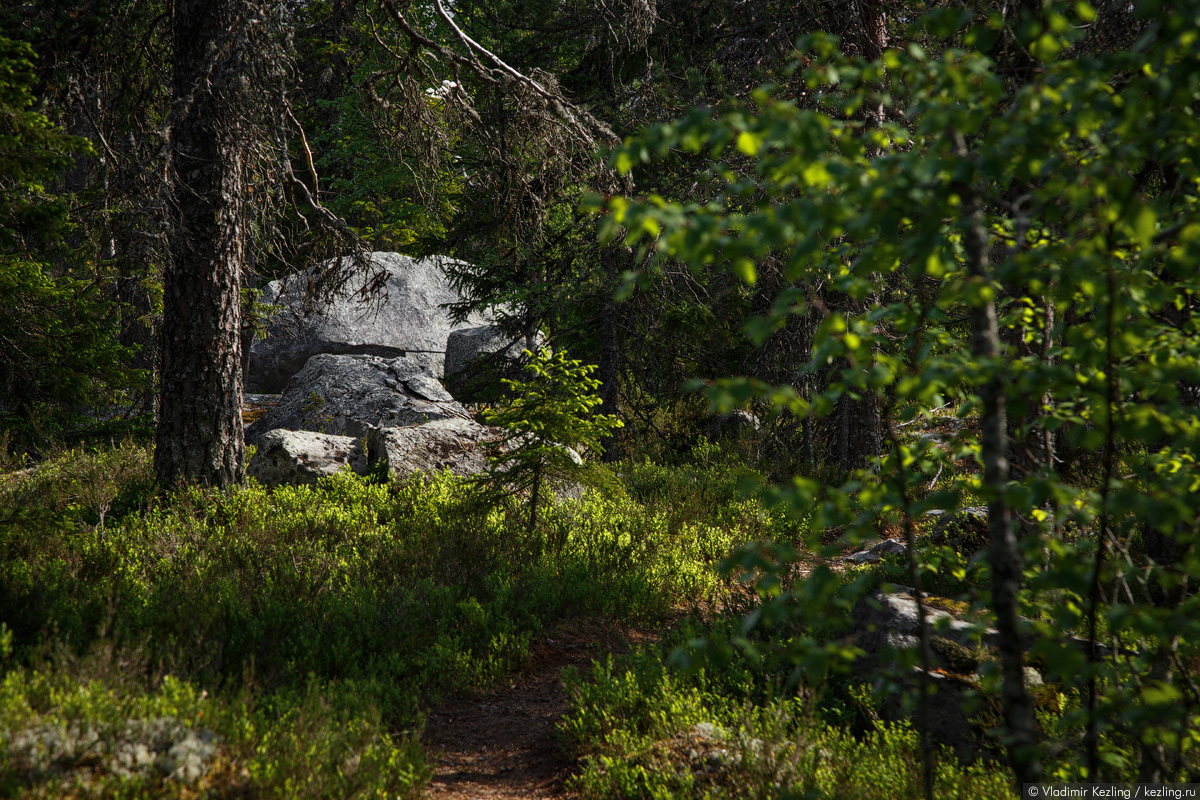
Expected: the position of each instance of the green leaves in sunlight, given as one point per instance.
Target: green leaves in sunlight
(1084, 175)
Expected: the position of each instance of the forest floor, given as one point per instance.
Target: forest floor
(505, 743)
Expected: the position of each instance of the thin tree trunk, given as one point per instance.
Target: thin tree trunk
(1091, 736)
(1004, 552)
(1152, 762)
(534, 491)
(868, 436)
(842, 453)
(610, 350)
(199, 436)
(874, 28)
(914, 577)
(807, 451)
(1167, 583)
(1048, 398)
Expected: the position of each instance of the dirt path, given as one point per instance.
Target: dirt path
(504, 744)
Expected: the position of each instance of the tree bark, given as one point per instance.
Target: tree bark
(1004, 551)
(610, 350)
(873, 36)
(199, 437)
(874, 28)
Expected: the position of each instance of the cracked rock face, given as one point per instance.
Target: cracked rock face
(408, 421)
(409, 321)
(350, 395)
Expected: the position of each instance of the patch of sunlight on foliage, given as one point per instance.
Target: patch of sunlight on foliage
(78, 488)
(294, 627)
(642, 730)
(411, 588)
(70, 735)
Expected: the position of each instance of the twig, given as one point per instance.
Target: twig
(312, 169)
(933, 482)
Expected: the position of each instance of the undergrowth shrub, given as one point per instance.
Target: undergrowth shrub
(78, 488)
(298, 625)
(644, 730)
(67, 733)
(415, 585)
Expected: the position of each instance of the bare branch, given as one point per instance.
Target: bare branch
(312, 169)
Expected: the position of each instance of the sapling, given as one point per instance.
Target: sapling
(549, 420)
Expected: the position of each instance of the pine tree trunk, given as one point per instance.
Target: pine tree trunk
(868, 430)
(874, 42)
(534, 492)
(199, 436)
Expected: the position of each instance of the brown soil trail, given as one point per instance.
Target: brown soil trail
(504, 744)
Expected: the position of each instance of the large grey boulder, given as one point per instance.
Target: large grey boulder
(733, 424)
(478, 358)
(409, 321)
(958, 647)
(890, 618)
(460, 445)
(348, 395)
(295, 457)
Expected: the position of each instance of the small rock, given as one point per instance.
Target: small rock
(888, 547)
(188, 758)
(970, 521)
(295, 457)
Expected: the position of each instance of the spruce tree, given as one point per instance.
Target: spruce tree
(546, 424)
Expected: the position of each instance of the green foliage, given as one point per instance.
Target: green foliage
(58, 347)
(1085, 180)
(373, 159)
(338, 577)
(550, 414)
(301, 625)
(83, 730)
(645, 730)
(32, 151)
(79, 488)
